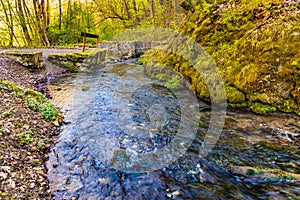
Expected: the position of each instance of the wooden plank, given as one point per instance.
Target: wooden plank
(89, 35)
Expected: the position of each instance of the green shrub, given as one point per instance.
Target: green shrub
(48, 111)
(33, 100)
(32, 104)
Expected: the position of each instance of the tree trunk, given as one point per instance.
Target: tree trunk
(48, 13)
(40, 15)
(127, 9)
(31, 22)
(136, 13)
(60, 15)
(151, 8)
(23, 22)
(44, 23)
(68, 14)
(9, 23)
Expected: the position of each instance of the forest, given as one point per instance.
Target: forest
(37, 23)
(180, 99)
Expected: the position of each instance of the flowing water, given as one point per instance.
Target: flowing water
(104, 152)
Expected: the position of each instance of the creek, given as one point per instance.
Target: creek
(100, 153)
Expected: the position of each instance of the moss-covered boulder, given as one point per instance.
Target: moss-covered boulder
(31, 60)
(80, 61)
(255, 45)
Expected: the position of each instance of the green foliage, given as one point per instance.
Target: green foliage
(70, 66)
(25, 138)
(40, 144)
(32, 104)
(33, 100)
(105, 18)
(47, 110)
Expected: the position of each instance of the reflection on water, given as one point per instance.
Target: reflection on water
(100, 138)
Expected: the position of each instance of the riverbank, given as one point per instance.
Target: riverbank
(255, 47)
(28, 125)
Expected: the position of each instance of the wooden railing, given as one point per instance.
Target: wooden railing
(85, 35)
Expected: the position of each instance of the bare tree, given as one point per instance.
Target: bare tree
(8, 21)
(127, 9)
(41, 21)
(48, 13)
(23, 22)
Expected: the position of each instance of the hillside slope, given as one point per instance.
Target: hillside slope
(255, 45)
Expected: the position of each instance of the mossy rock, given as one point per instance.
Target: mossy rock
(258, 63)
(234, 96)
(31, 60)
(119, 159)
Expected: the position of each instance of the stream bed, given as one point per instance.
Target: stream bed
(100, 152)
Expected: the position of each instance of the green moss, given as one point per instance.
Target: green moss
(174, 83)
(260, 108)
(162, 77)
(295, 62)
(70, 66)
(258, 63)
(250, 172)
(234, 96)
(85, 88)
(70, 61)
(237, 105)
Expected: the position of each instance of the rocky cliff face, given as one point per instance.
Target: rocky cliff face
(255, 45)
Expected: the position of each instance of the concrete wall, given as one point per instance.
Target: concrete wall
(80, 62)
(31, 60)
(126, 49)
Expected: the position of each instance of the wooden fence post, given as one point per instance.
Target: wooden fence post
(97, 42)
(84, 41)
(85, 35)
